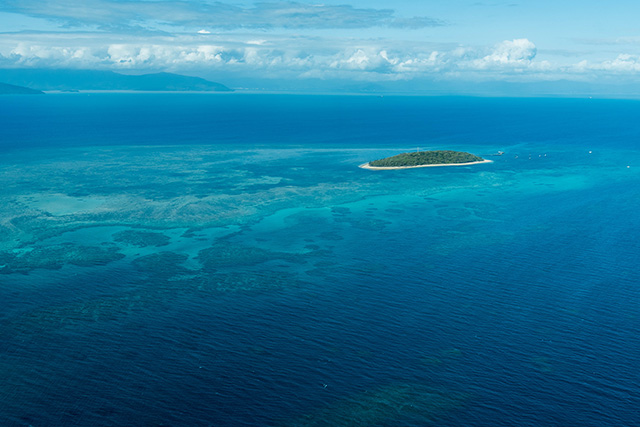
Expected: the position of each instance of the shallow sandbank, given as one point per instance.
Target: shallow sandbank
(367, 166)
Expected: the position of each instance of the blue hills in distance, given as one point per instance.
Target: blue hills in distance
(7, 89)
(73, 80)
(41, 79)
(68, 80)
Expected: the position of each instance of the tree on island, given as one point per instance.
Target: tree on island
(420, 158)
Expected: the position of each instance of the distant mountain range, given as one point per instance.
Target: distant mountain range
(77, 80)
(6, 89)
(73, 80)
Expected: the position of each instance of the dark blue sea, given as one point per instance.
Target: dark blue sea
(221, 260)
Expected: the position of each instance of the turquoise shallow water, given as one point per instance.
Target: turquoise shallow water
(222, 260)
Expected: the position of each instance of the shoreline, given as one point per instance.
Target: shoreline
(367, 166)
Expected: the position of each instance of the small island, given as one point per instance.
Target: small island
(421, 159)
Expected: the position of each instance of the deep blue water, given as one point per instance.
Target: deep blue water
(221, 260)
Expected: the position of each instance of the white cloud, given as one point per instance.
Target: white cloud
(622, 63)
(26, 54)
(124, 54)
(433, 62)
(509, 52)
(292, 57)
(365, 59)
(206, 53)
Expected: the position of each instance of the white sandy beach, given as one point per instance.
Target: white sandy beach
(367, 166)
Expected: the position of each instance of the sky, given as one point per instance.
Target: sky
(349, 41)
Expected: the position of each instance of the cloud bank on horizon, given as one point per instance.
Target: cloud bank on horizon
(362, 41)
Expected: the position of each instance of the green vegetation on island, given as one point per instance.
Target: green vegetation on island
(421, 158)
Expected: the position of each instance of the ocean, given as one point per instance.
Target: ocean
(221, 260)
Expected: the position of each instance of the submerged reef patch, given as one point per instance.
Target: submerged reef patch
(141, 239)
(55, 257)
(250, 281)
(394, 404)
(227, 254)
(165, 264)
